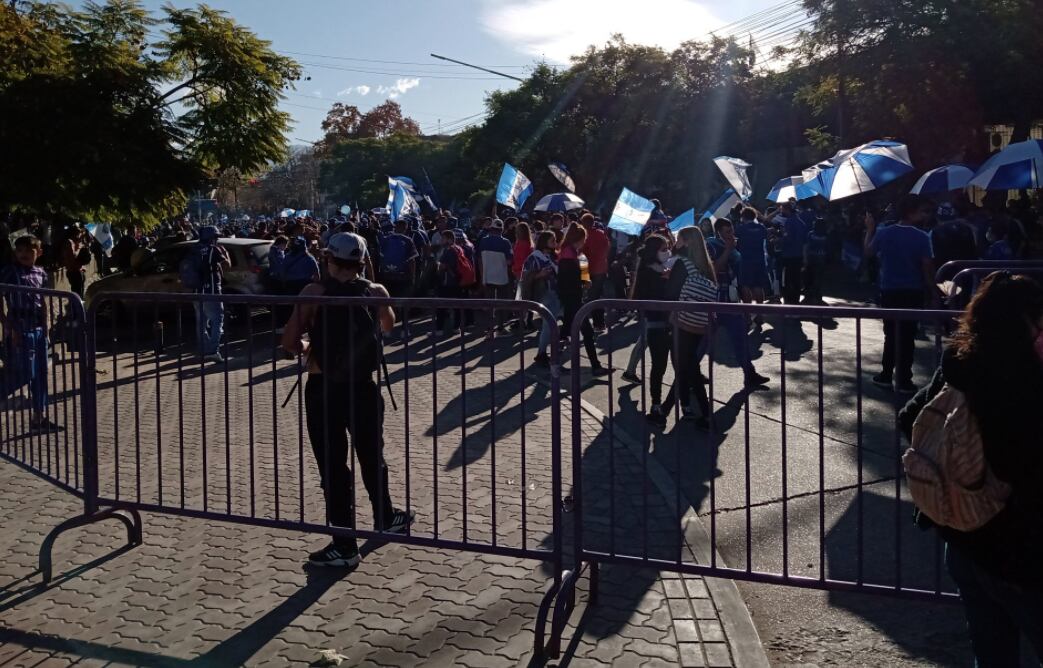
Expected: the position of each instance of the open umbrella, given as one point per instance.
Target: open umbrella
(791, 187)
(1017, 167)
(943, 179)
(862, 169)
(559, 202)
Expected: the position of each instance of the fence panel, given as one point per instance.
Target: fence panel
(797, 481)
(42, 343)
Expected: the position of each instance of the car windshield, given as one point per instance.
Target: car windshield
(260, 253)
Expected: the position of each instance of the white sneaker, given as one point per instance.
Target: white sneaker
(216, 358)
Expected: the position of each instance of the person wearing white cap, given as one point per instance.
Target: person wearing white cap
(341, 395)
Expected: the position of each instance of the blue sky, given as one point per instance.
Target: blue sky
(344, 39)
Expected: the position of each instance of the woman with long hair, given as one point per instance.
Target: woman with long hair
(570, 289)
(692, 278)
(522, 248)
(996, 361)
(651, 278)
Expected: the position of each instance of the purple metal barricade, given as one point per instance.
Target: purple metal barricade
(795, 482)
(471, 439)
(42, 334)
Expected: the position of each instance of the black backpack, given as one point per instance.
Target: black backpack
(344, 338)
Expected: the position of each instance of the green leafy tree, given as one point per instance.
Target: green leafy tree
(99, 122)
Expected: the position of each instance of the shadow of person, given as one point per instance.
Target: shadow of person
(875, 540)
(483, 412)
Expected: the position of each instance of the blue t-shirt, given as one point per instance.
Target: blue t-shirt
(902, 250)
(794, 235)
(298, 266)
(729, 272)
(751, 238)
(396, 250)
(496, 243)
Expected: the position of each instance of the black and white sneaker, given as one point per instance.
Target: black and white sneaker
(400, 521)
(338, 556)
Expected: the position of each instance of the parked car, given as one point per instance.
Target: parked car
(159, 272)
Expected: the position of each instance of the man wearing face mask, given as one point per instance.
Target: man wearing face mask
(906, 279)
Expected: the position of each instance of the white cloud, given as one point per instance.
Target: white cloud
(401, 87)
(558, 29)
(361, 89)
(317, 93)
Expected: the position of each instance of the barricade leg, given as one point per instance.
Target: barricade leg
(133, 524)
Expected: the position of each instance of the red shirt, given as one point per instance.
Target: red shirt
(596, 249)
(522, 249)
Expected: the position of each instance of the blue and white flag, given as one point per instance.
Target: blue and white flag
(402, 202)
(686, 219)
(395, 182)
(514, 188)
(722, 206)
(287, 213)
(631, 213)
(103, 233)
(734, 170)
(562, 174)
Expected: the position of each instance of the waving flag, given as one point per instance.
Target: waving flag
(562, 174)
(402, 202)
(395, 182)
(429, 191)
(631, 213)
(514, 188)
(686, 219)
(722, 206)
(734, 170)
(103, 233)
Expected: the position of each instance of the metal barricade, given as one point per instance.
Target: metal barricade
(949, 270)
(965, 283)
(42, 338)
(472, 441)
(799, 483)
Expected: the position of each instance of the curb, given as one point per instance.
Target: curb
(743, 639)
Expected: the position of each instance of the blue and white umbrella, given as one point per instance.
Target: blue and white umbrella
(791, 187)
(1017, 167)
(559, 202)
(862, 169)
(722, 206)
(943, 179)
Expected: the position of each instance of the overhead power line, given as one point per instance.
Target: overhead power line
(390, 62)
(417, 75)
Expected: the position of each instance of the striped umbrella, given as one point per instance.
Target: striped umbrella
(559, 202)
(943, 179)
(862, 169)
(791, 187)
(1017, 167)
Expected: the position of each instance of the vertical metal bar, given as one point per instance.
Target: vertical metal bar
(710, 454)
(898, 327)
(858, 411)
(325, 364)
(821, 465)
(275, 415)
(51, 408)
(434, 418)
(90, 414)
(463, 418)
(115, 401)
(200, 325)
(159, 417)
(181, 403)
(746, 460)
(785, 455)
(492, 417)
(228, 431)
(521, 375)
(611, 440)
(555, 437)
(301, 426)
(405, 403)
(137, 404)
(250, 406)
(378, 517)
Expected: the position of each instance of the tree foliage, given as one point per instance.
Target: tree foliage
(100, 121)
(344, 122)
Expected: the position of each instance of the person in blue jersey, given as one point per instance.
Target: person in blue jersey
(211, 261)
(751, 239)
(906, 280)
(727, 263)
(793, 237)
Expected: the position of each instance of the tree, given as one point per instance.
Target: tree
(97, 122)
(344, 122)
